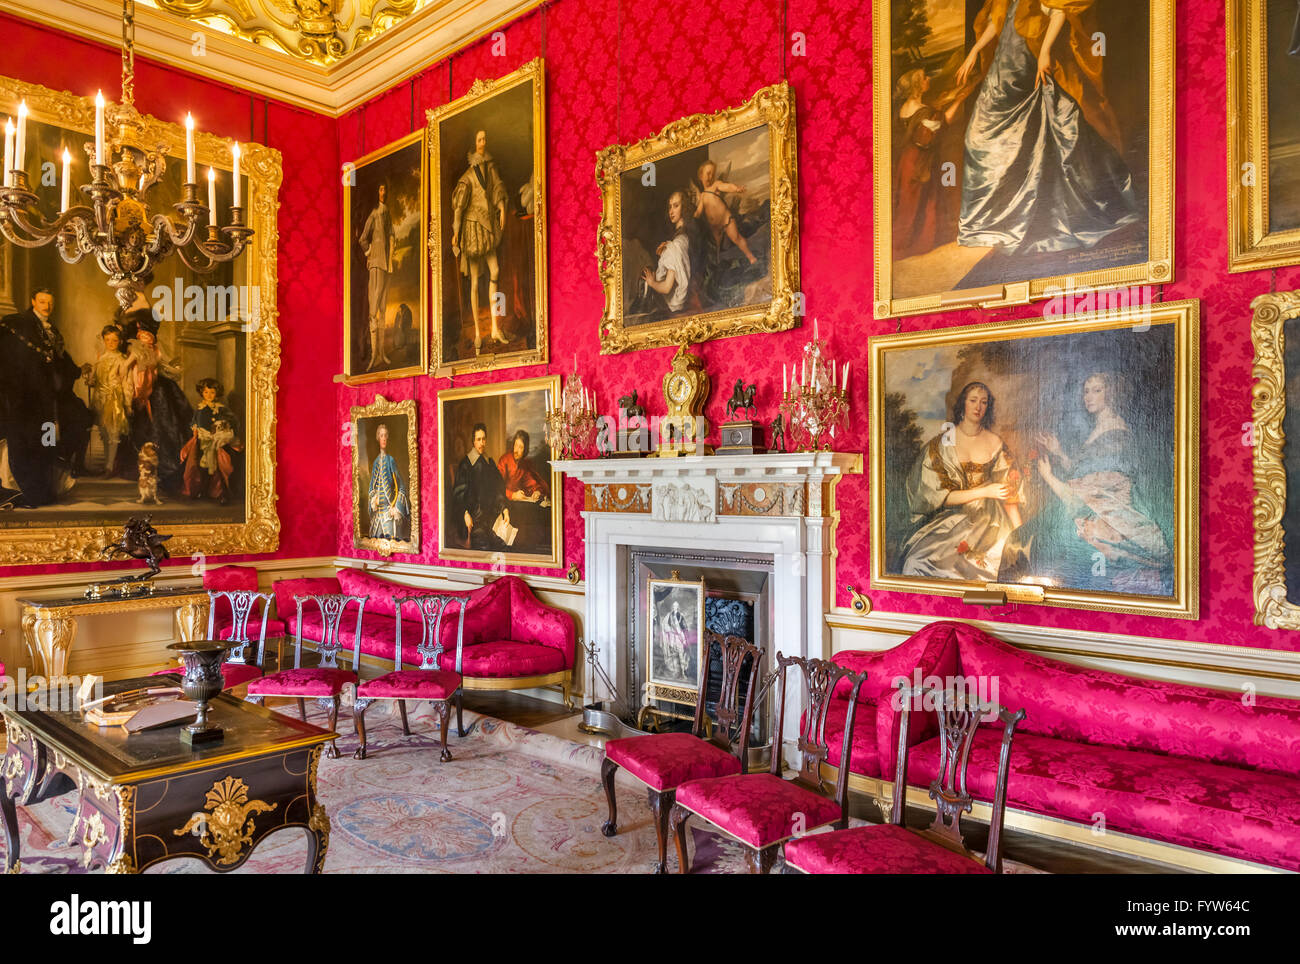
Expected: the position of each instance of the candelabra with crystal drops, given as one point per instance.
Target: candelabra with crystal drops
(571, 425)
(115, 225)
(813, 404)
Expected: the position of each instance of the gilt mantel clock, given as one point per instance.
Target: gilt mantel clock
(686, 389)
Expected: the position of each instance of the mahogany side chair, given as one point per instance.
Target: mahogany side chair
(662, 761)
(324, 682)
(427, 682)
(763, 810)
(239, 665)
(892, 848)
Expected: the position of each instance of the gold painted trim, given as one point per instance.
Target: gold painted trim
(260, 530)
(533, 72)
(1185, 317)
(517, 682)
(422, 316)
(555, 560)
(1268, 414)
(770, 106)
(378, 409)
(1157, 269)
(1057, 828)
(1251, 244)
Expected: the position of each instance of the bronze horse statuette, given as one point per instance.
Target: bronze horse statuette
(742, 399)
(140, 540)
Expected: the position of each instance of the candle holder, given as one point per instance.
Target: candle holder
(813, 404)
(571, 425)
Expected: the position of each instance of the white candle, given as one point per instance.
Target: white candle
(212, 197)
(784, 388)
(20, 144)
(845, 373)
(67, 178)
(9, 151)
(236, 152)
(832, 373)
(803, 372)
(815, 336)
(99, 128)
(189, 150)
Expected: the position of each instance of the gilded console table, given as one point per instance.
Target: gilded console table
(50, 625)
(143, 798)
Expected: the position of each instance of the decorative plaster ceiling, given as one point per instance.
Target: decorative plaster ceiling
(326, 55)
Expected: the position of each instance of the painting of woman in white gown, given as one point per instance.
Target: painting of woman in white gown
(1044, 454)
(1020, 142)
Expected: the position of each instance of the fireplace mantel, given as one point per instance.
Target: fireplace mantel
(778, 505)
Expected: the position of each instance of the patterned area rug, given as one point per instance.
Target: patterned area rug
(511, 801)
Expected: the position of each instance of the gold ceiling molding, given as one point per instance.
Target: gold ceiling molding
(328, 56)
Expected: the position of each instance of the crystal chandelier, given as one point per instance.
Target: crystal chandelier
(115, 224)
(572, 423)
(813, 404)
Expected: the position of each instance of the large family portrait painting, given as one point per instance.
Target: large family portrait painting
(1020, 143)
(499, 500)
(487, 153)
(700, 227)
(1054, 454)
(108, 413)
(385, 316)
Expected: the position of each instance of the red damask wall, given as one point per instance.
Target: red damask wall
(310, 270)
(619, 70)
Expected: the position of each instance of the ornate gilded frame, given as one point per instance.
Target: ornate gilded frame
(1184, 602)
(533, 72)
(555, 560)
(262, 167)
(422, 316)
(668, 692)
(1268, 414)
(1157, 269)
(1251, 244)
(772, 107)
(380, 408)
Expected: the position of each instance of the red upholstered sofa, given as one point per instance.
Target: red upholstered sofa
(512, 641)
(1191, 766)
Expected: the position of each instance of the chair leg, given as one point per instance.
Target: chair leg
(567, 687)
(607, 770)
(444, 718)
(401, 708)
(677, 824)
(762, 861)
(302, 710)
(333, 751)
(661, 805)
(359, 719)
(460, 720)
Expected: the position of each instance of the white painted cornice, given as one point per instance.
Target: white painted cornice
(431, 35)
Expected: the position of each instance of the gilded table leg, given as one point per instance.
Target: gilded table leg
(192, 620)
(318, 824)
(49, 634)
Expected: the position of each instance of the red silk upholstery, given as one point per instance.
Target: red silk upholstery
(236, 673)
(286, 589)
(505, 659)
(865, 755)
(533, 622)
(230, 577)
(881, 848)
(274, 627)
(663, 761)
(384, 594)
(316, 681)
(759, 809)
(412, 684)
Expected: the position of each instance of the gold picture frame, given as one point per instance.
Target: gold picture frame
(1269, 406)
(771, 108)
(401, 421)
(504, 409)
(263, 171)
(522, 92)
(1252, 242)
(906, 558)
(661, 682)
(1156, 268)
(420, 322)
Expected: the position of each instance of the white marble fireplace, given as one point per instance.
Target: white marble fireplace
(773, 506)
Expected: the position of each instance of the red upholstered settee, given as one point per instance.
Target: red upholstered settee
(1190, 766)
(512, 641)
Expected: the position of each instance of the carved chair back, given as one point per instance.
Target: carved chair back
(242, 604)
(332, 607)
(820, 677)
(959, 720)
(432, 610)
(732, 730)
